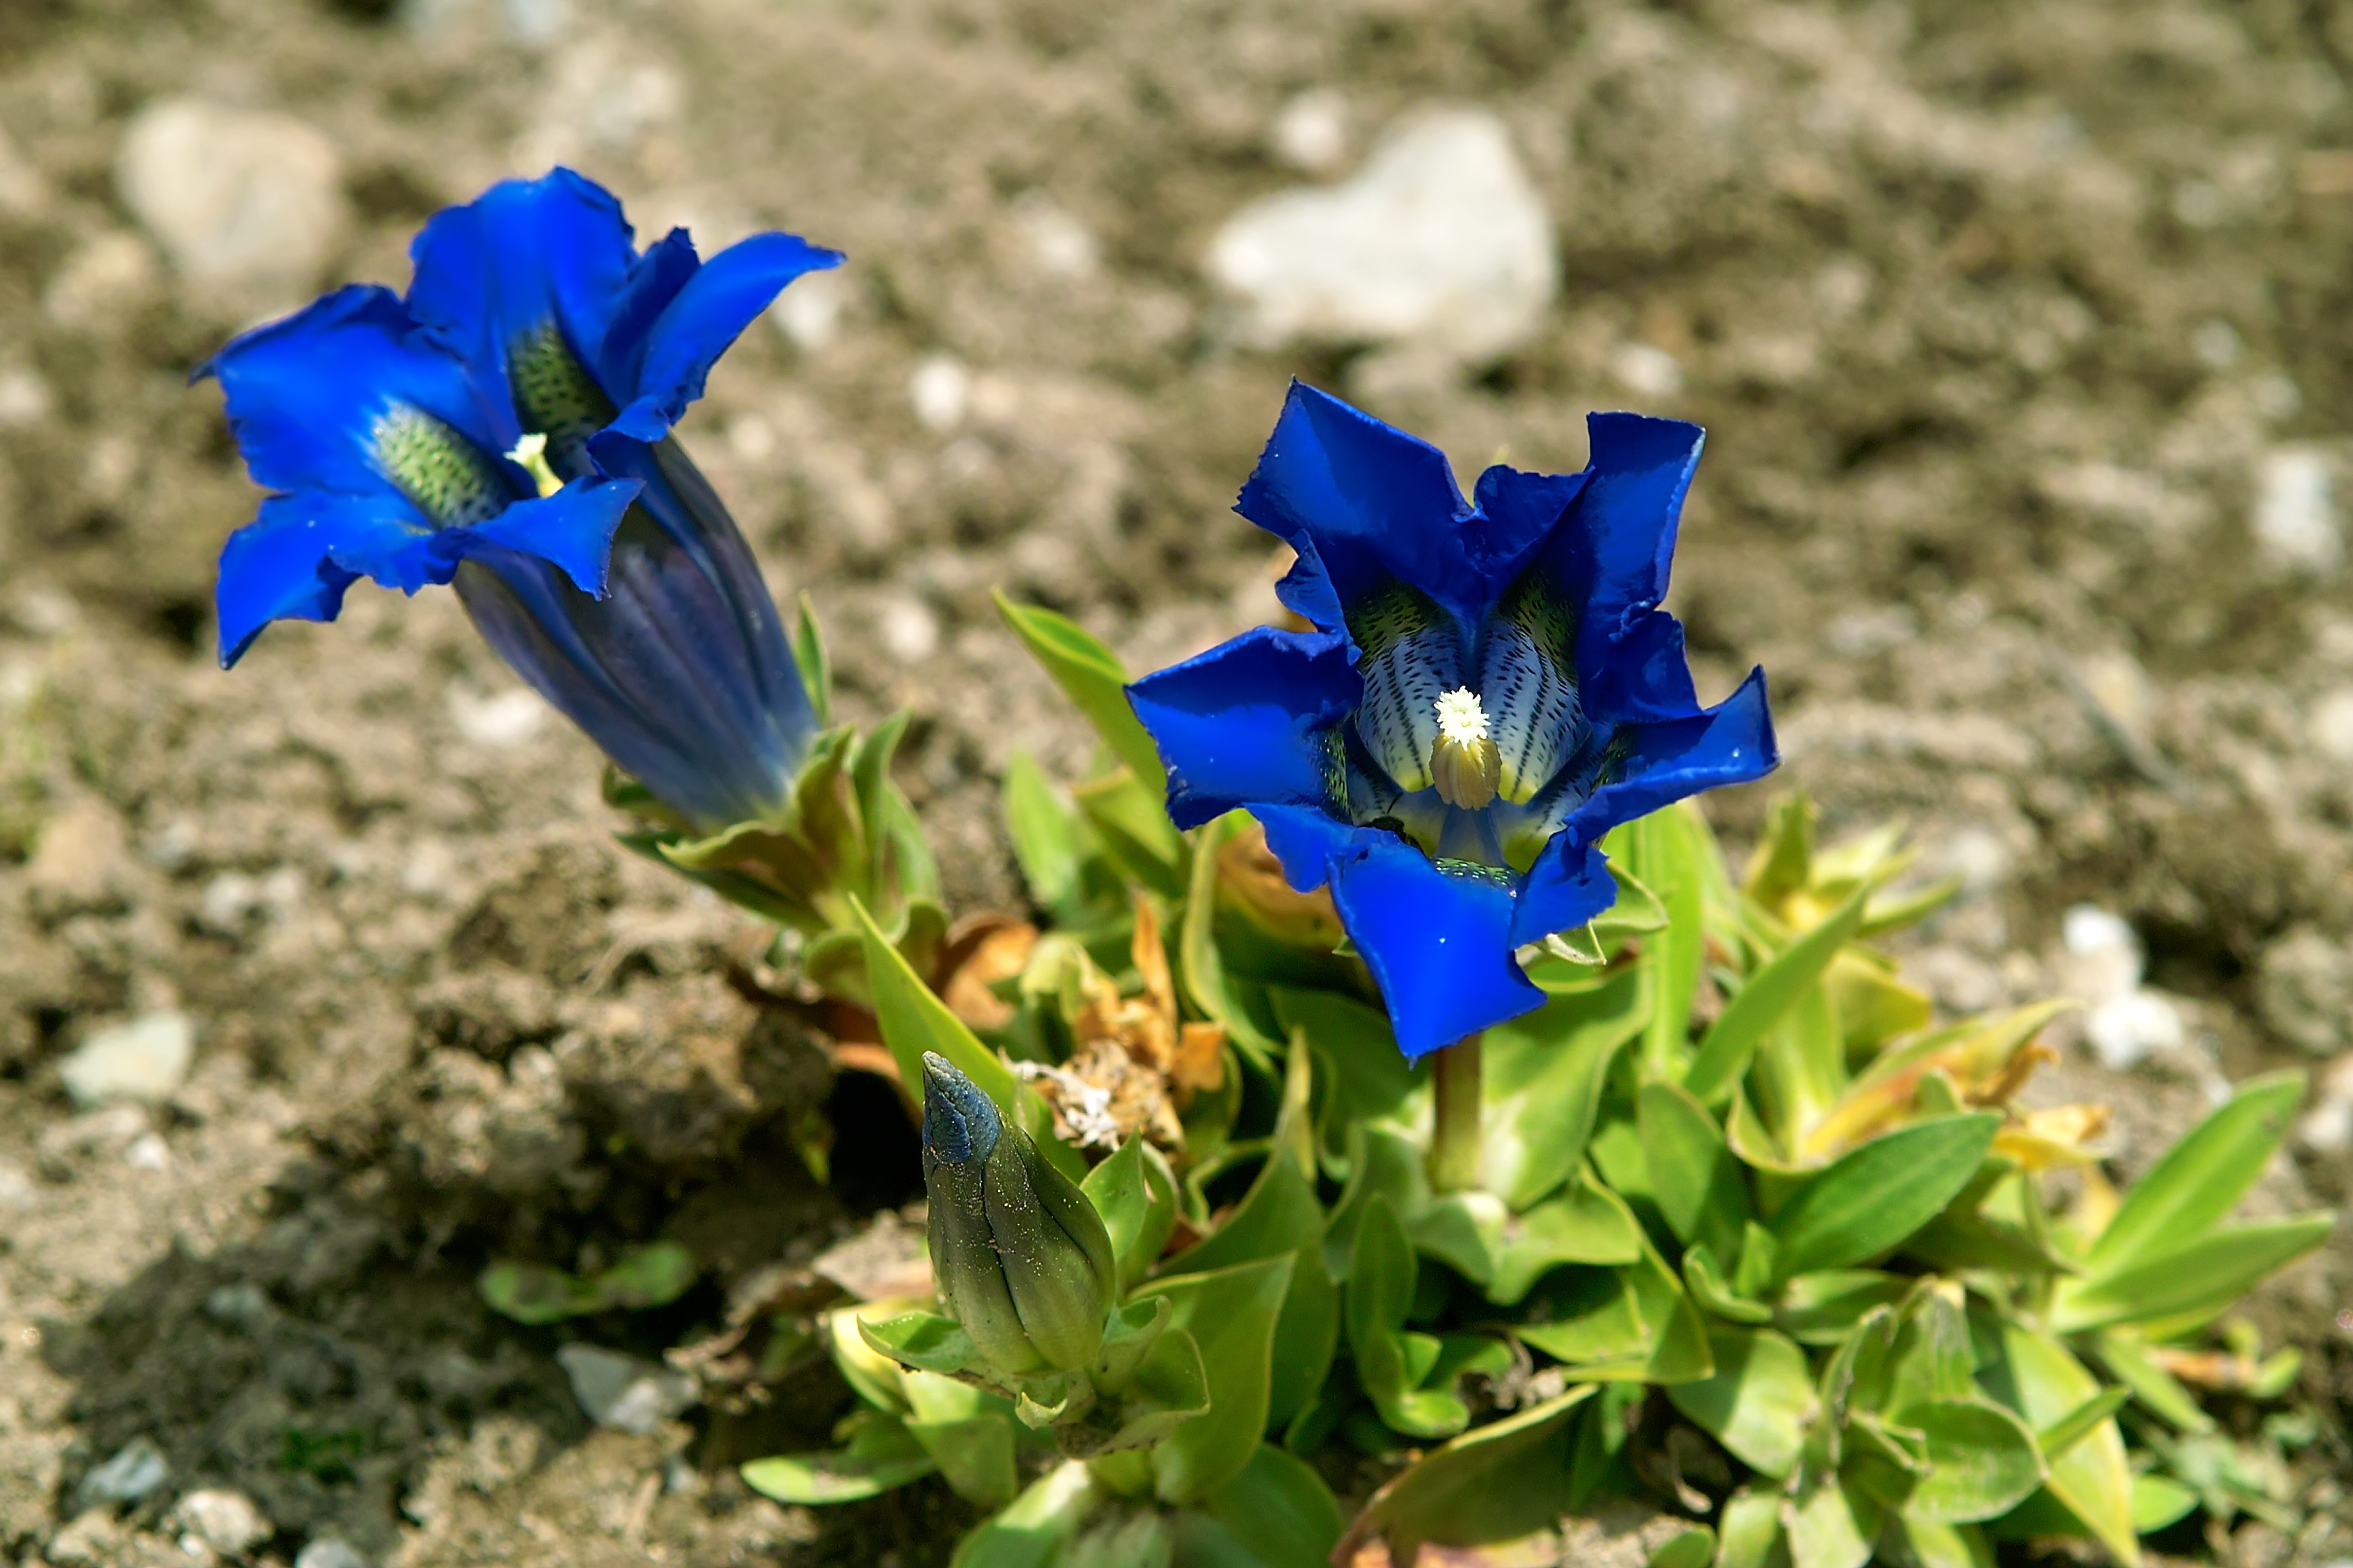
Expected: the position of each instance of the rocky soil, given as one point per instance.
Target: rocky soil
(2020, 331)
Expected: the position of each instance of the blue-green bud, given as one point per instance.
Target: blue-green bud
(1021, 1258)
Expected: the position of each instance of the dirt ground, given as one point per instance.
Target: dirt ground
(2020, 331)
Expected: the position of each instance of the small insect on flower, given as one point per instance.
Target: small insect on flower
(505, 428)
(1490, 687)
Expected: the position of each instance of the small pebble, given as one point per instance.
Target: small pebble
(137, 1472)
(2296, 526)
(2127, 1028)
(238, 198)
(1311, 133)
(940, 392)
(229, 1523)
(622, 1392)
(144, 1060)
(328, 1552)
(1645, 371)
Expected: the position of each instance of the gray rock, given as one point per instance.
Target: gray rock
(144, 1060)
(2295, 521)
(136, 1473)
(245, 202)
(622, 1392)
(230, 1522)
(2304, 989)
(1441, 238)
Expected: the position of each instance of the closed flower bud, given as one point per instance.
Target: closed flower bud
(1021, 1258)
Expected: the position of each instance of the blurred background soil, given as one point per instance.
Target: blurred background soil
(2020, 331)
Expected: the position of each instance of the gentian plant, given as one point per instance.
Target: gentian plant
(1393, 1084)
(506, 427)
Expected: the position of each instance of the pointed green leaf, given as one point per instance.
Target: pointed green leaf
(1231, 1315)
(816, 670)
(1502, 1481)
(2188, 1283)
(1724, 1051)
(1831, 1527)
(1541, 1085)
(2158, 1501)
(1665, 852)
(1090, 675)
(974, 1455)
(2126, 1357)
(2199, 1179)
(1749, 1530)
(1693, 1548)
(1759, 1401)
(1136, 1196)
(1982, 1461)
(2034, 1375)
(1585, 1222)
(1361, 1075)
(1045, 835)
(1693, 1174)
(1707, 1287)
(1280, 1505)
(1380, 1292)
(882, 1454)
(1134, 827)
(2081, 1422)
(1869, 1199)
(1033, 1532)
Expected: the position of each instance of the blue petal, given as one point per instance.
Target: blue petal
(1307, 841)
(519, 256)
(1569, 884)
(1522, 508)
(1644, 677)
(1729, 743)
(571, 529)
(1375, 503)
(1619, 537)
(1438, 942)
(304, 394)
(282, 565)
(1241, 723)
(674, 322)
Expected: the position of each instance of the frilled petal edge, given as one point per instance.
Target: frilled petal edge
(571, 529)
(1438, 940)
(1238, 725)
(1569, 884)
(1619, 542)
(1729, 743)
(664, 363)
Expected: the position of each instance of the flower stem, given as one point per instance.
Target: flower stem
(1454, 1142)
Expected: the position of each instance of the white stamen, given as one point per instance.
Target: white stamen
(531, 452)
(1460, 717)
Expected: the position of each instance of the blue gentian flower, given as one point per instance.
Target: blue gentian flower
(1489, 690)
(506, 427)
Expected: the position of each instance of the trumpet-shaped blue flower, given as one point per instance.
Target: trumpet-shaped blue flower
(1491, 686)
(506, 427)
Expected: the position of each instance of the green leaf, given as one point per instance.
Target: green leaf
(1666, 851)
(1497, 1483)
(1361, 1075)
(1827, 1306)
(1170, 1387)
(914, 1021)
(927, 1341)
(2158, 1501)
(654, 1275)
(1231, 1316)
(2199, 1179)
(1783, 862)
(1136, 1196)
(1800, 1073)
(1759, 1401)
(1090, 675)
(1380, 1292)
(1280, 1216)
(882, 1454)
(2126, 1357)
(1830, 1528)
(1715, 1298)
(1982, 1461)
(1594, 1326)
(1045, 836)
(1202, 962)
(1032, 1533)
(1693, 1548)
(974, 1455)
(1750, 1529)
(1541, 1085)
(1724, 1050)
(2081, 1422)
(816, 670)
(1871, 1198)
(1281, 1506)
(1693, 1174)
(1912, 1540)
(1129, 819)
(2033, 1373)
(2187, 1284)
(1585, 1222)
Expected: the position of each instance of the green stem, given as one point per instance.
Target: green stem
(1454, 1141)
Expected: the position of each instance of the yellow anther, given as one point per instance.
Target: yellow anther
(1464, 764)
(531, 452)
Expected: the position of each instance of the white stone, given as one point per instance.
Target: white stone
(2104, 955)
(503, 719)
(148, 1152)
(106, 279)
(809, 313)
(17, 1190)
(1440, 238)
(25, 398)
(2327, 1127)
(1311, 133)
(229, 1523)
(910, 632)
(1644, 371)
(940, 392)
(2216, 345)
(238, 198)
(2295, 516)
(2331, 725)
(2124, 1029)
(137, 1472)
(144, 1060)
(1056, 243)
(622, 1392)
(328, 1552)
